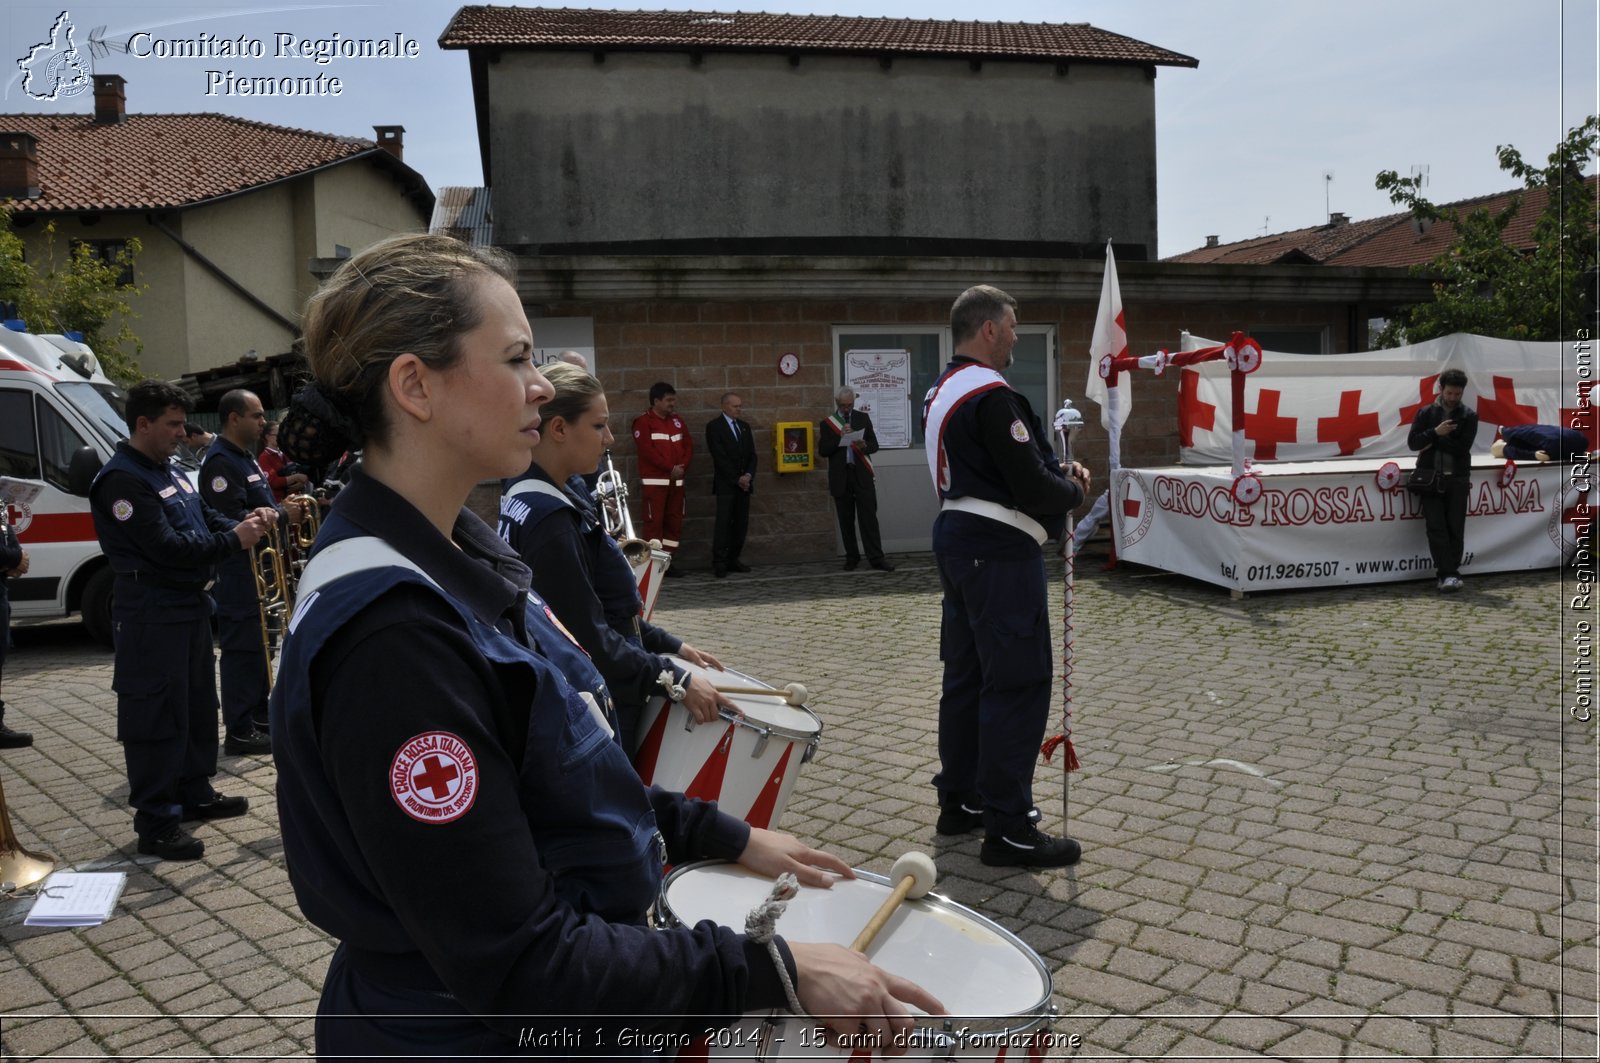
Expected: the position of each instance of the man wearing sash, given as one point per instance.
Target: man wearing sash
(1002, 493)
(850, 478)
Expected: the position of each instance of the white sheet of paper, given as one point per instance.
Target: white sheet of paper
(76, 898)
(850, 439)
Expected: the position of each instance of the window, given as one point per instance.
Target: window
(110, 252)
(1305, 339)
(18, 455)
(1032, 371)
(928, 347)
(58, 441)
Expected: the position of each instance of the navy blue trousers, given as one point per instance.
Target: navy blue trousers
(166, 685)
(244, 661)
(994, 639)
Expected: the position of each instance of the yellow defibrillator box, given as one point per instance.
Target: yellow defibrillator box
(791, 441)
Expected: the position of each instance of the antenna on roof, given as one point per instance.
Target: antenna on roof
(1327, 185)
(1419, 174)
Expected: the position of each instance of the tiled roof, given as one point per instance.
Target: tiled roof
(1388, 240)
(159, 161)
(1399, 244)
(1308, 246)
(546, 27)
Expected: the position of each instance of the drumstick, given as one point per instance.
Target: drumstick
(794, 693)
(913, 875)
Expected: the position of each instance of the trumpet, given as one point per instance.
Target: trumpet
(612, 493)
(272, 592)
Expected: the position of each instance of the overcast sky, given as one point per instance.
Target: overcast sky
(1285, 91)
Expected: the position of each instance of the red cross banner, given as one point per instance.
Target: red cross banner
(1110, 341)
(1303, 407)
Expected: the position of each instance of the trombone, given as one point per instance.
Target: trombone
(299, 538)
(612, 492)
(272, 591)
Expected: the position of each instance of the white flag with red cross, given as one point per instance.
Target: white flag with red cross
(1106, 386)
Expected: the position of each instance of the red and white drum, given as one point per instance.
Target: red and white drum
(748, 766)
(649, 570)
(996, 988)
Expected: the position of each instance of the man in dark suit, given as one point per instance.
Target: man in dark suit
(850, 479)
(733, 474)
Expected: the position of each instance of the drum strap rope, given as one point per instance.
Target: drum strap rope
(762, 924)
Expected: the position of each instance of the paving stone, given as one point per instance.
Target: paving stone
(1409, 862)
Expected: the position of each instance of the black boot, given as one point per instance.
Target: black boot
(10, 739)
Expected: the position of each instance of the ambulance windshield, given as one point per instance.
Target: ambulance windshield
(101, 405)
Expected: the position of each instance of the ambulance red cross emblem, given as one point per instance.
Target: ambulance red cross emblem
(434, 777)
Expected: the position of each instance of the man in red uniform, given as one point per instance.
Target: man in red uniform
(665, 448)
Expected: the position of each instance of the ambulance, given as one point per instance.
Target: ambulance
(60, 420)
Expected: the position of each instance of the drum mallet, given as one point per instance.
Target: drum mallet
(913, 875)
(793, 693)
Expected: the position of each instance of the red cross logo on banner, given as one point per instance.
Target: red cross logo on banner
(1582, 418)
(1266, 429)
(1192, 413)
(1502, 408)
(1349, 426)
(434, 777)
(1425, 391)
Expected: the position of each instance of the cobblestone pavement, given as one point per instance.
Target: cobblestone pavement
(1329, 824)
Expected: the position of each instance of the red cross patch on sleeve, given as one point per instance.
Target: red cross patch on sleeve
(434, 777)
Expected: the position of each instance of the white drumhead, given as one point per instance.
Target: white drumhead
(769, 712)
(975, 967)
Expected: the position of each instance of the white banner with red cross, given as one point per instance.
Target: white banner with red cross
(1301, 407)
(1327, 523)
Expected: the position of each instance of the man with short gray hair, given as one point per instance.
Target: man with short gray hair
(1002, 494)
(846, 439)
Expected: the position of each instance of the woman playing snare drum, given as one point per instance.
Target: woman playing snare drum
(453, 812)
(562, 539)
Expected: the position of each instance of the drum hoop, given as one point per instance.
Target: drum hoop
(772, 729)
(985, 1027)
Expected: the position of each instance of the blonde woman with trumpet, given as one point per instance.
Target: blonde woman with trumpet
(547, 517)
(454, 809)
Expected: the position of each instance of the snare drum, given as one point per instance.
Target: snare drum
(748, 766)
(649, 573)
(996, 988)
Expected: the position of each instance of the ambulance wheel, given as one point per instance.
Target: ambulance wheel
(96, 606)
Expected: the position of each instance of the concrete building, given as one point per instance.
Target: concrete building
(230, 214)
(712, 192)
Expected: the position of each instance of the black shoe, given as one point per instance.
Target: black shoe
(720, 572)
(218, 807)
(738, 566)
(674, 573)
(959, 819)
(851, 563)
(264, 726)
(963, 817)
(10, 739)
(882, 565)
(175, 844)
(247, 743)
(1029, 847)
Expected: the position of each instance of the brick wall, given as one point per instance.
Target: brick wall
(705, 349)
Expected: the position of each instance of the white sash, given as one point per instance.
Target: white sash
(967, 381)
(544, 487)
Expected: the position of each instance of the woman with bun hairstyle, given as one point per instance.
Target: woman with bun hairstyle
(454, 810)
(547, 518)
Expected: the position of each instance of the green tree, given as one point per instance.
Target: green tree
(76, 292)
(1483, 285)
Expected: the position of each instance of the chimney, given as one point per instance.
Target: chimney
(1338, 217)
(392, 138)
(110, 101)
(1211, 241)
(19, 166)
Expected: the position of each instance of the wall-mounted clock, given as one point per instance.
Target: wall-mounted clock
(789, 364)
